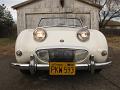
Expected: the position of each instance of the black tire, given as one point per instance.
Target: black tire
(25, 72)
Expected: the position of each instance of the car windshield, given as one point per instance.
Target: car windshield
(72, 22)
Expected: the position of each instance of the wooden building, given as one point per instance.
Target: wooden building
(113, 25)
(30, 12)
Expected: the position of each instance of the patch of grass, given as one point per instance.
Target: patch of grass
(114, 41)
(6, 41)
(7, 47)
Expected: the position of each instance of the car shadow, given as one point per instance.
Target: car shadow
(44, 76)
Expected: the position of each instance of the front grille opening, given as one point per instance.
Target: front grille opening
(62, 55)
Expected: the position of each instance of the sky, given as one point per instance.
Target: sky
(9, 3)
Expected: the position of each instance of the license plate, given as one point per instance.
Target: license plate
(62, 68)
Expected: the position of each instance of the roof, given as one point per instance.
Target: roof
(32, 1)
(113, 23)
(91, 3)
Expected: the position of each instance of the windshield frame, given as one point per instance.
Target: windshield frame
(80, 21)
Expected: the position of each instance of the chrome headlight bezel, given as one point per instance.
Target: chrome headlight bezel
(39, 34)
(83, 35)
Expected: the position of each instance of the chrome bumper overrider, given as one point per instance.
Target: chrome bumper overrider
(33, 67)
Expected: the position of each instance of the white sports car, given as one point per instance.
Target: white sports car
(61, 46)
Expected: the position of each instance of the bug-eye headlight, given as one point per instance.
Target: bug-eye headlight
(39, 34)
(83, 35)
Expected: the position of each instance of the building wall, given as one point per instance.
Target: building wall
(112, 27)
(28, 16)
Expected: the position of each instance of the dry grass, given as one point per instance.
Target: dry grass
(114, 41)
(7, 47)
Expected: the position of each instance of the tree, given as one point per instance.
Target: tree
(6, 21)
(110, 10)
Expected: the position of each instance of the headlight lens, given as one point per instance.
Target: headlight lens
(83, 35)
(39, 34)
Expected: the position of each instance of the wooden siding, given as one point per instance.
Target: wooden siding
(28, 16)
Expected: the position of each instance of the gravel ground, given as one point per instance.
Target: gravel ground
(108, 79)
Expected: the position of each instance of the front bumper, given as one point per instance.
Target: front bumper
(46, 66)
(33, 66)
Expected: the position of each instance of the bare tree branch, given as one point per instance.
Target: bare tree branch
(110, 10)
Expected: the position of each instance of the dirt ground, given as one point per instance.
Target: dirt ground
(7, 47)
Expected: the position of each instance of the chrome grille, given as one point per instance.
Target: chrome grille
(62, 55)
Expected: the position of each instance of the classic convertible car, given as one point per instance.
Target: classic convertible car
(62, 46)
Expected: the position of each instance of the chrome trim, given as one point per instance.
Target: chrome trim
(46, 66)
(32, 65)
(92, 64)
(42, 61)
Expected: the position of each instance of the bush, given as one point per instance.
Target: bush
(6, 22)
